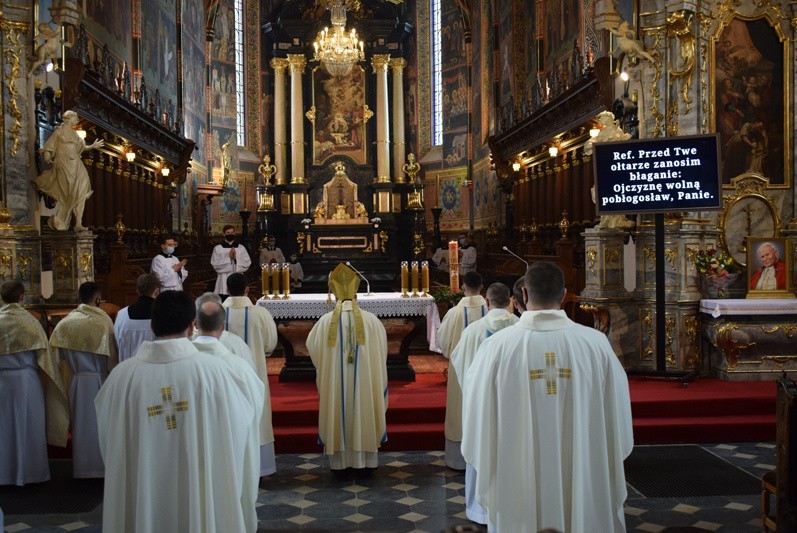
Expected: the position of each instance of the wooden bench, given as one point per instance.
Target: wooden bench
(780, 481)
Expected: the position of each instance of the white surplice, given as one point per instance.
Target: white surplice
(467, 262)
(224, 266)
(461, 359)
(352, 387)
(468, 310)
(163, 266)
(130, 333)
(547, 425)
(255, 325)
(173, 427)
(243, 372)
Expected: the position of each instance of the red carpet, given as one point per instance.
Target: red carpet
(708, 410)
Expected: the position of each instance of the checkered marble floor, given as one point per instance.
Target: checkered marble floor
(415, 492)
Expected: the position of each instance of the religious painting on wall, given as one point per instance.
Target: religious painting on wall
(340, 115)
(453, 197)
(222, 94)
(106, 23)
(194, 129)
(193, 19)
(223, 47)
(455, 148)
(452, 35)
(193, 77)
(768, 268)
(749, 111)
(563, 26)
(219, 136)
(159, 49)
(455, 99)
(485, 194)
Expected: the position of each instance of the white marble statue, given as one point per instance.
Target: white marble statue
(48, 50)
(68, 181)
(628, 45)
(610, 131)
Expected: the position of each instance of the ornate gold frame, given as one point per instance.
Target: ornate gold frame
(783, 242)
(748, 186)
(725, 17)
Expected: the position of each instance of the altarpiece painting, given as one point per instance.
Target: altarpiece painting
(340, 115)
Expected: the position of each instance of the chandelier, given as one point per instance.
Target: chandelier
(338, 50)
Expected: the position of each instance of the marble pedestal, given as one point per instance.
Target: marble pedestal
(72, 256)
(20, 258)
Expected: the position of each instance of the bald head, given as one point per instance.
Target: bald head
(210, 318)
(497, 296)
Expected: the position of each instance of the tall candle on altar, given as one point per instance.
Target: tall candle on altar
(453, 253)
(414, 278)
(275, 279)
(425, 278)
(264, 279)
(404, 278)
(286, 280)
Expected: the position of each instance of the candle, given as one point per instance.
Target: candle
(404, 279)
(264, 281)
(454, 279)
(286, 281)
(414, 278)
(275, 279)
(438, 191)
(425, 278)
(453, 253)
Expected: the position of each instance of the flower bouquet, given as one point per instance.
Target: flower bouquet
(718, 270)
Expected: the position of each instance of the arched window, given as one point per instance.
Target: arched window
(437, 74)
(240, 116)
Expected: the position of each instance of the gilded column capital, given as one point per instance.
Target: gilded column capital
(297, 63)
(279, 64)
(379, 62)
(397, 64)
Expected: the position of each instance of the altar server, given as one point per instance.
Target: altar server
(228, 258)
(547, 420)
(170, 270)
(210, 318)
(84, 338)
(255, 325)
(132, 324)
(348, 347)
(270, 253)
(25, 356)
(498, 317)
(173, 426)
(470, 308)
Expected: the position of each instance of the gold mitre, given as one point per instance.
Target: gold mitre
(344, 282)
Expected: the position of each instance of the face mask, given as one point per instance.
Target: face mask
(170, 250)
(293, 259)
(462, 242)
(229, 238)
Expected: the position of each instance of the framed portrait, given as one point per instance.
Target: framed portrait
(768, 267)
(750, 110)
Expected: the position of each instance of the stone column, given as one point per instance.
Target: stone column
(279, 64)
(399, 148)
(297, 63)
(380, 62)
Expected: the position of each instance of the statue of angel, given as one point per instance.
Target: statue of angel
(629, 46)
(48, 50)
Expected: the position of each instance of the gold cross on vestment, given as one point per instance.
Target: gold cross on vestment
(550, 372)
(168, 408)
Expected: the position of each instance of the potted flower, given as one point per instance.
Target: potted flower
(718, 271)
(445, 298)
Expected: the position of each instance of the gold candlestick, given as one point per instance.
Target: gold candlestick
(264, 280)
(405, 274)
(286, 281)
(414, 278)
(275, 281)
(425, 278)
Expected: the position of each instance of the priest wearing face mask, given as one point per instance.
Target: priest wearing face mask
(170, 270)
(271, 254)
(467, 258)
(228, 258)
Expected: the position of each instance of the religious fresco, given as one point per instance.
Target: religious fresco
(749, 87)
(239, 196)
(222, 94)
(455, 99)
(219, 136)
(563, 26)
(194, 129)
(507, 60)
(193, 19)
(339, 123)
(532, 43)
(476, 73)
(193, 77)
(452, 39)
(159, 48)
(105, 23)
(455, 148)
(486, 195)
(223, 47)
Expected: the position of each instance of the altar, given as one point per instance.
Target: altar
(749, 339)
(404, 320)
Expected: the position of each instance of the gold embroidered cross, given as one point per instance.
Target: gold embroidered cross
(168, 408)
(550, 372)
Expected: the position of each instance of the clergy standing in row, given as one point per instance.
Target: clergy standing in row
(210, 318)
(498, 317)
(231, 341)
(547, 419)
(228, 258)
(84, 338)
(25, 356)
(132, 324)
(255, 325)
(470, 308)
(170, 270)
(174, 426)
(348, 347)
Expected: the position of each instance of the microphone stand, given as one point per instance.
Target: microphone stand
(367, 283)
(516, 255)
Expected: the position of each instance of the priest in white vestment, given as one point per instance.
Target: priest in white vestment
(255, 325)
(174, 426)
(348, 347)
(547, 420)
(169, 269)
(84, 339)
(132, 324)
(231, 341)
(467, 255)
(498, 317)
(297, 273)
(210, 320)
(30, 386)
(228, 258)
(271, 254)
(470, 308)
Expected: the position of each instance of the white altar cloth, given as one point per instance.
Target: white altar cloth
(382, 304)
(752, 306)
